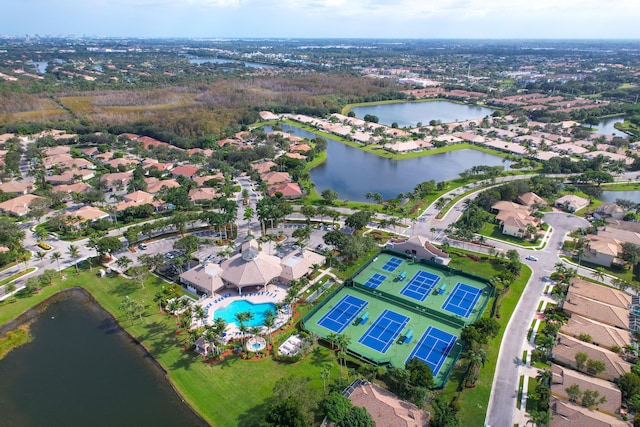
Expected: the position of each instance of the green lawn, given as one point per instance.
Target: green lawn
(14, 339)
(234, 392)
(230, 393)
(492, 230)
(473, 402)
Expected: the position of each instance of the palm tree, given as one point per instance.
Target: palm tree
(160, 298)
(56, 256)
(599, 274)
(342, 342)
(40, 255)
(199, 314)
(544, 377)
(123, 262)
(269, 323)
(211, 337)
(241, 318)
(74, 253)
(477, 358)
(333, 339)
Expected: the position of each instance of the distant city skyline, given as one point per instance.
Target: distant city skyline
(567, 19)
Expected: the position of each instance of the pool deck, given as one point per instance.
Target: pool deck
(271, 293)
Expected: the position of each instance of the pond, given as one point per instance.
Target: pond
(82, 369)
(353, 173)
(612, 196)
(199, 61)
(410, 113)
(606, 127)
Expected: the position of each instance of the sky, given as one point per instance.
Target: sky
(476, 19)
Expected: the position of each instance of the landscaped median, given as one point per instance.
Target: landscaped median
(229, 393)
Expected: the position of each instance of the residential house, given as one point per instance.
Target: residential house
(572, 203)
(603, 335)
(65, 161)
(188, 171)
(564, 378)
(420, 247)
(385, 408)
(18, 206)
(90, 151)
(17, 187)
(87, 214)
(609, 210)
(123, 163)
(296, 156)
(53, 151)
(155, 185)
(600, 303)
(263, 166)
(207, 152)
(289, 190)
(623, 231)
(567, 414)
(602, 250)
(567, 347)
(271, 178)
(531, 199)
(149, 143)
(116, 181)
(69, 189)
(197, 195)
(201, 180)
(138, 198)
(514, 219)
(70, 176)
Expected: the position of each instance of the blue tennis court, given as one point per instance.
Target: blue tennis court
(375, 280)
(342, 314)
(433, 348)
(462, 300)
(392, 264)
(384, 331)
(420, 285)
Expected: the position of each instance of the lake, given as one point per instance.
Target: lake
(606, 127)
(353, 173)
(41, 66)
(408, 114)
(199, 61)
(611, 196)
(82, 369)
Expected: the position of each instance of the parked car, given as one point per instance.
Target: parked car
(531, 258)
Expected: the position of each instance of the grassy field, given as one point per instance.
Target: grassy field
(473, 402)
(493, 230)
(230, 393)
(235, 392)
(14, 339)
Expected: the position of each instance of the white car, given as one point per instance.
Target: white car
(531, 258)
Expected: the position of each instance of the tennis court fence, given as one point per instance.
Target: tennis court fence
(416, 308)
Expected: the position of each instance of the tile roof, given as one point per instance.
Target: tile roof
(387, 409)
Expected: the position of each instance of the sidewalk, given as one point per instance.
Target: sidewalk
(525, 369)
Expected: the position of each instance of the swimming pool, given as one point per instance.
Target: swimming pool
(228, 313)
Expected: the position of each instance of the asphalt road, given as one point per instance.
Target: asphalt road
(502, 403)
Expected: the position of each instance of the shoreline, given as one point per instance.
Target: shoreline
(31, 313)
